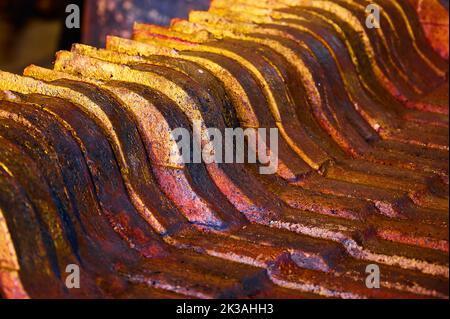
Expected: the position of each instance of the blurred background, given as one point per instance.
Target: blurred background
(31, 31)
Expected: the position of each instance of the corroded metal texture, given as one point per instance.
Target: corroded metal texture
(116, 17)
(90, 174)
(433, 16)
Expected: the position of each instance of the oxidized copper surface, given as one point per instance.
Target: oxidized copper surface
(88, 178)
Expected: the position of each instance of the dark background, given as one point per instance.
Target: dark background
(31, 31)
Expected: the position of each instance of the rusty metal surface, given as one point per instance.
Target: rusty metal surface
(87, 176)
(435, 22)
(116, 17)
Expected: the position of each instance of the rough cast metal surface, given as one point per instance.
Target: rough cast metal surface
(87, 179)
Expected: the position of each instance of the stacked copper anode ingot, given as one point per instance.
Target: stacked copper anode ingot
(86, 176)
